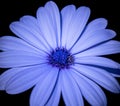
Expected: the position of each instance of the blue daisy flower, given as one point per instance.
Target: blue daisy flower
(58, 53)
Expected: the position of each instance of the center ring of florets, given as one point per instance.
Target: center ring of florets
(61, 58)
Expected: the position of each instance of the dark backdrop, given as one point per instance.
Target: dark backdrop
(12, 10)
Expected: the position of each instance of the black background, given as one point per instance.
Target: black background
(12, 10)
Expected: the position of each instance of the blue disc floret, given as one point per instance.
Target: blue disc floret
(60, 58)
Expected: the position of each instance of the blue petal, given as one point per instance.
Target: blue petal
(49, 23)
(92, 39)
(113, 71)
(97, 61)
(54, 14)
(97, 24)
(76, 24)
(55, 96)
(30, 22)
(67, 14)
(11, 59)
(101, 62)
(70, 90)
(8, 43)
(4, 77)
(43, 90)
(110, 47)
(25, 79)
(30, 35)
(100, 76)
(90, 90)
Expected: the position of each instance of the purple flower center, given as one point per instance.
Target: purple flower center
(61, 58)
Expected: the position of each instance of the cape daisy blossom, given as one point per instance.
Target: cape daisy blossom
(57, 52)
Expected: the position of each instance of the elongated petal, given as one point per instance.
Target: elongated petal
(67, 14)
(111, 47)
(93, 39)
(100, 76)
(16, 59)
(98, 61)
(30, 35)
(101, 62)
(55, 96)
(76, 25)
(43, 90)
(91, 91)
(4, 77)
(25, 79)
(55, 18)
(97, 24)
(113, 71)
(70, 90)
(8, 43)
(30, 22)
(49, 23)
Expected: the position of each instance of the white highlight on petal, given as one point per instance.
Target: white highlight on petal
(11, 59)
(70, 90)
(91, 91)
(43, 90)
(76, 24)
(98, 61)
(110, 47)
(49, 23)
(25, 79)
(93, 39)
(100, 76)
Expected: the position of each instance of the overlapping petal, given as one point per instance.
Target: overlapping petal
(101, 62)
(97, 61)
(100, 76)
(4, 77)
(56, 94)
(113, 71)
(110, 47)
(29, 35)
(12, 59)
(96, 24)
(30, 22)
(44, 89)
(25, 79)
(90, 90)
(8, 43)
(75, 24)
(70, 90)
(49, 23)
(93, 26)
(93, 39)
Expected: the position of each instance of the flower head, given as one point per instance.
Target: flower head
(59, 52)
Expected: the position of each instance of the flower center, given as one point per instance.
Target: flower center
(60, 58)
